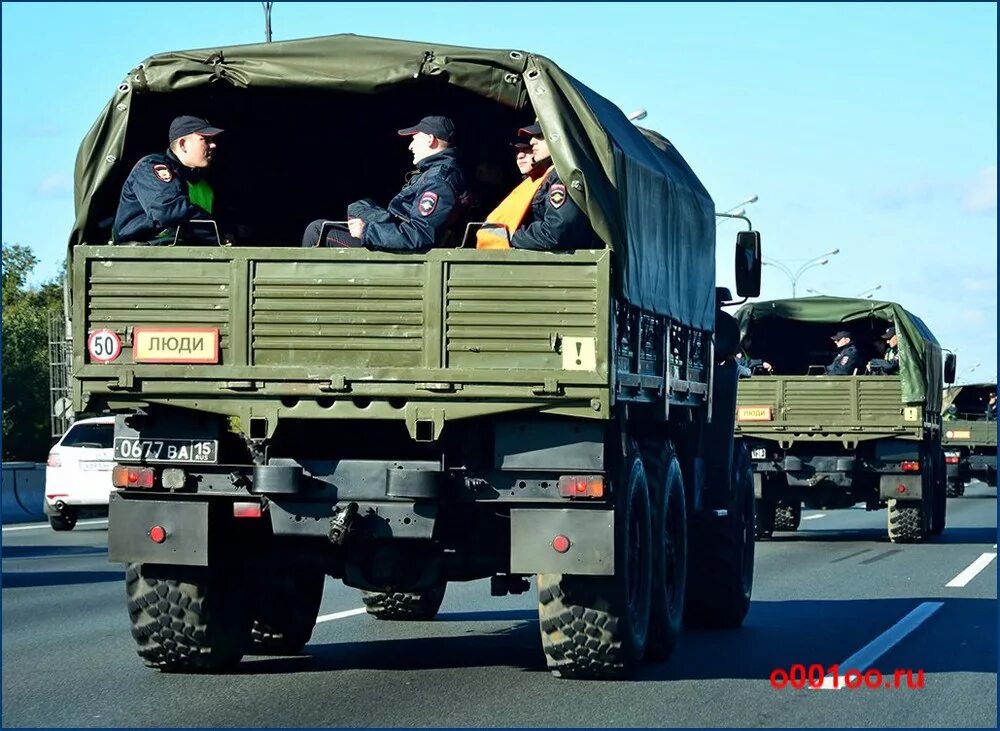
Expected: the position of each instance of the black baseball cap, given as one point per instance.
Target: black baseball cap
(520, 146)
(188, 125)
(890, 333)
(441, 127)
(841, 334)
(532, 130)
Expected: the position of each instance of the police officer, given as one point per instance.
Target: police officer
(846, 359)
(523, 159)
(556, 223)
(420, 215)
(167, 190)
(888, 365)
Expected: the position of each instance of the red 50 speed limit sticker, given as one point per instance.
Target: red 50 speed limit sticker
(104, 345)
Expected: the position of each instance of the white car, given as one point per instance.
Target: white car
(78, 473)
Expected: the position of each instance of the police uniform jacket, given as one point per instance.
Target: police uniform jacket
(154, 201)
(419, 216)
(889, 365)
(557, 223)
(845, 361)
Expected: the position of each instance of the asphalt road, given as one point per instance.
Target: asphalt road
(836, 592)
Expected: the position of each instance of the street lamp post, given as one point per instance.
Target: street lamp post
(637, 115)
(267, 21)
(793, 277)
(867, 294)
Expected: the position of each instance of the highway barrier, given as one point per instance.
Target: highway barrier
(23, 492)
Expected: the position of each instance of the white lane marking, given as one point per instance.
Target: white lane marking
(867, 655)
(970, 573)
(341, 615)
(37, 526)
(813, 517)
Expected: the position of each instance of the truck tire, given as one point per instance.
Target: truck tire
(720, 575)
(187, 618)
(404, 606)
(62, 522)
(787, 516)
(764, 519)
(597, 626)
(669, 531)
(287, 605)
(907, 521)
(956, 488)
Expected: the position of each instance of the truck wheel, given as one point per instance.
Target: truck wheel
(597, 626)
(187, 618)
(907, 521)
(956, 488)
(787, 516)
(62, 522)
(287, 604)
(720, 579)
(764, 519)
(404, 606)
(669, 533)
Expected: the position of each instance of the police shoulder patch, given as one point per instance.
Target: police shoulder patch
(427, 203)
(557, 195)
(163, 173)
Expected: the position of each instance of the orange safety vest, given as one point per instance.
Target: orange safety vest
(509, 214)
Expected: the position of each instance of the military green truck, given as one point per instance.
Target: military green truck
(832, 441)
(400, 422)
(970, 436)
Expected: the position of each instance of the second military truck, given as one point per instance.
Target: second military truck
(400, 422)
(832, 441)
(970, 435)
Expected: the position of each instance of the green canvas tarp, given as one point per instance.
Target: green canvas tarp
(919, 353)
(641, 198)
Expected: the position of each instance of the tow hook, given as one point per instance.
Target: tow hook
(341, 522)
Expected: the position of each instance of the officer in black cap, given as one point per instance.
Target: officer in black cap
(421, 214)
(523, 159)
(556, 223)
(846, 359)
(167, 190)
(888, 364)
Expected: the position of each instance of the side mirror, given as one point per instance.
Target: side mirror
(748, 263)
(949, 368)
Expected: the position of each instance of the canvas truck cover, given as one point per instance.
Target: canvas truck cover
(951, 393)
(641, 197)
(919, 353)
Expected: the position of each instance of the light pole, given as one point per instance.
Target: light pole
(816, 291)
(748, 201)
(867, 294)
(637, 115)
(267, 21)
(793, 277)
(723, 216)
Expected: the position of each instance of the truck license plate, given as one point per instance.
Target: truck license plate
(165, 451)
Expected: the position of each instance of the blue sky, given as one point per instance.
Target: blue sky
(871, 128)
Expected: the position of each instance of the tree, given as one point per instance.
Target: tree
(26, 312)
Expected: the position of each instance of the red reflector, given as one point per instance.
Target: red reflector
(246, 510)
(581, 486)
(157, 534)
(951, 460)
(561, 543)
(900, 488)
(910, 466)
(54, 495)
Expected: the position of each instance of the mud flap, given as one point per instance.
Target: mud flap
(185, 524)
(591, 534)
(889, 487)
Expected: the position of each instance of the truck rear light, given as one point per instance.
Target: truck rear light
(910, 466)
(561, 543)
(581, 486)
(173, 478)
(246, 510)
(143, 477)
(951, 457)
(53, 461)
(54, 495)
